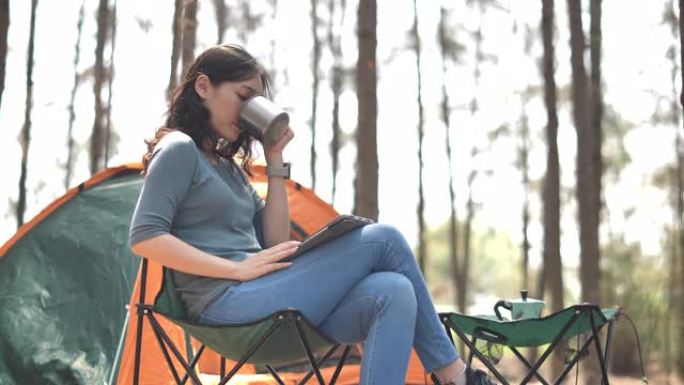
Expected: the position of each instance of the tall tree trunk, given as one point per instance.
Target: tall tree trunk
(250, 21)
(221, 13)
(447, 51)
(4, 27)
(177, 33)
(189, 35)
(524, 164)
(677, 200)
(366, 183)
(552, 264)
(72, 111)
(314, 98)
(97, 136)
(592, 271)
(525, 171)
(110, 80)
(336, 78)
(588, 155)
(422, 247)
(680, 326)
(462, 294)
(25, 137)
(272, 60)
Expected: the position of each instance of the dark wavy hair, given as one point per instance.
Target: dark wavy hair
(186, 113)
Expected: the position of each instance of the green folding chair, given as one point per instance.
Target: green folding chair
(268, 342)
(535, 332)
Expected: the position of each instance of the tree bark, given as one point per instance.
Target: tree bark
(680, 326)
(366, 183)
(109, 138)
(337, 79)
(221, 13)
(189, 35)
(25, 136)
(316, 80)
(677, 201)
(589, 162)
(4, 28)
(422, 246)
(273, 69)
(462, 295)
(69, 166)
(444, 44)
(553, 265)
(97, 136)
(525, 171)
(524, 165)
(250, 21)
(177, 33)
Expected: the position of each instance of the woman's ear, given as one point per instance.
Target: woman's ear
(203, 86)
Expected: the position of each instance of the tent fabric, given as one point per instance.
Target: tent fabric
(65, 276)
(68, 274)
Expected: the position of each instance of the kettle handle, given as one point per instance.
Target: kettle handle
(504, 304)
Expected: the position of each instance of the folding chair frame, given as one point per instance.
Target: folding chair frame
(166, 344)
(533, 369)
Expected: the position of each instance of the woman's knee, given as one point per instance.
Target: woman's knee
(394, 289)
(385, 233)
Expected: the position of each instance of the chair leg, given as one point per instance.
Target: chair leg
(474, 350)
(275, 375)
(174, 350)
(471, 352)
(165, 351)
(338, 370)
(574, 360)
(193, 363)
(548, 350)
(448, 331)
(140, 315)
(249, 353)
(599, 352)
(528, 365)
(609, 340)
(320, 362)
(307, 349)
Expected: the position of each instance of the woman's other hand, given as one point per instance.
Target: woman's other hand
(266, 261)
(274, 151)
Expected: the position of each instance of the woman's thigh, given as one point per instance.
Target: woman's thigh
(351, 320)
(315, 283)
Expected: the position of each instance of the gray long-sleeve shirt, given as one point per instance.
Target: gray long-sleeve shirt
(213, 208)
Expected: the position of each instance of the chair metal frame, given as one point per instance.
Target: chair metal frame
(146, 311)
(533, 368)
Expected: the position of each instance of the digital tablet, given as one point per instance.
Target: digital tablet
(338, 226)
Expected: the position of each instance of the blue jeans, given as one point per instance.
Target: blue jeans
(363, 286)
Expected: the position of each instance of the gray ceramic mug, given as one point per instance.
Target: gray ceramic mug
(264, 120)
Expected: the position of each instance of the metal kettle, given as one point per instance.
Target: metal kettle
(521, 308)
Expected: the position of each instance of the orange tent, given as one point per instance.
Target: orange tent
(64, 225)
(308, 213)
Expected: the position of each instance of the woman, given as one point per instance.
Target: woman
(198, 215)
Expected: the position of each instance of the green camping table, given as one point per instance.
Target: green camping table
(550, 331)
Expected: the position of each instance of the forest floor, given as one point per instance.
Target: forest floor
(513, 371)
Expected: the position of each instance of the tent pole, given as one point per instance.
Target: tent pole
(119, 351)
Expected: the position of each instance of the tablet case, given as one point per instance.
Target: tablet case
(338, 226)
